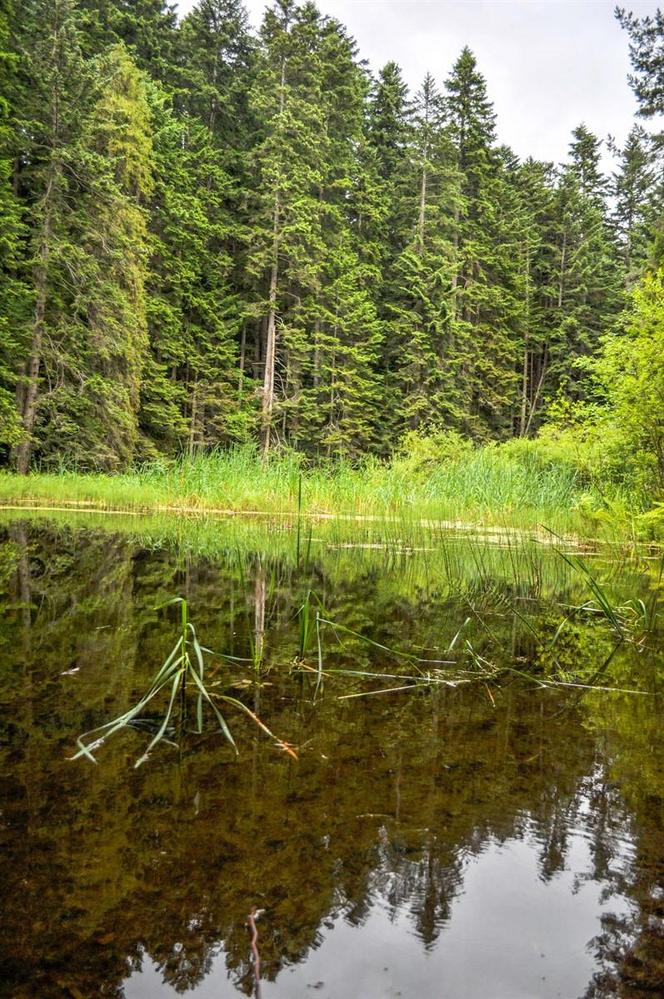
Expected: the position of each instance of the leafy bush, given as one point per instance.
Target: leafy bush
(421, 451)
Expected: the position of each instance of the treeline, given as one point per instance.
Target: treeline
(208, 237)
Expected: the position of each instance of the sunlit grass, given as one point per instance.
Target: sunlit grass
(489, 486)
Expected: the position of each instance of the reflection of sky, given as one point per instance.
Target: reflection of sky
(511, 935)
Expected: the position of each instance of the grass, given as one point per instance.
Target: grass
(490, 487)
(633, 622)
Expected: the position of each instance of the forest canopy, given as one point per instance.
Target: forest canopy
(211, 237)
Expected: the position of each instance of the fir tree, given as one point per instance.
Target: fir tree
(646, 51)
(483, 292)
(190, 389)
(419, 309)
(14, 295)
(584, 164)
(146, 27)
(55, 82)
(585, 282)
(637, 201)
(87, 170)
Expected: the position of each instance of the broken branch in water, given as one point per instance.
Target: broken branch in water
(252, 918)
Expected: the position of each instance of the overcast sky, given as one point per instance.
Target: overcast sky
(549, 64)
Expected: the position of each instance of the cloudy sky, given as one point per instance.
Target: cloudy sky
(549, 64)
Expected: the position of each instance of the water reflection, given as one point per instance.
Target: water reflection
(456, 843)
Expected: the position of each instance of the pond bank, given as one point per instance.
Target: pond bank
(486, 491)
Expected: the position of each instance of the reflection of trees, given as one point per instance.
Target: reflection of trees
(109, 863)
(630, 949)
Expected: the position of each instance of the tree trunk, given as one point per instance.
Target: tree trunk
(423, 203)
(23, 451)
(194, 417)
(271, 338)
(525, 387)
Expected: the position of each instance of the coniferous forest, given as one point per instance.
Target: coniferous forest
(212, 237)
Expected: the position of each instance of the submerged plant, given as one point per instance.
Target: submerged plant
(182, 670)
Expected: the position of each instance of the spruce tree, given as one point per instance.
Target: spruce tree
(535, 253)
(646, 51)
(425, 379)
(584, 164)
(146, 27)
(483, 285)
(217, 56)
(105, 347)
(86, 173)
(586, 280)
(14, 294)
(190, 396)
(194, 395)
(55, 83)
(637, 201)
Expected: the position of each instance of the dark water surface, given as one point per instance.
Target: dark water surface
(493, 840)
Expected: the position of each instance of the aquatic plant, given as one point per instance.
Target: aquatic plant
(182, 670)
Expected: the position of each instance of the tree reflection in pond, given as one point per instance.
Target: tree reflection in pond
(508, 848)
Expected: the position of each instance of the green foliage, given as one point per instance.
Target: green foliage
(210, 238)
(631, 371)
(92, 290)
(14, 293)
(420, 451)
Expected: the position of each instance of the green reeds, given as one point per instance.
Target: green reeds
(182, 670)
(501, 486)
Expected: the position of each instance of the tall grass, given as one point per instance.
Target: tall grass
(491, 486)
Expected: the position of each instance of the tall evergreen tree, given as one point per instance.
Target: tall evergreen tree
(646, 51)
(419, 317)
(194, 396)
(14, 296)
(483, 294)
(86, 171)
(637, 201)
(54, 84)
(91, 412)
(146, 27)
(217, 55)
(584, 164)
(586, 279)
(535, 253)
(190, 389)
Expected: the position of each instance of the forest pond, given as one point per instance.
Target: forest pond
(488, 838)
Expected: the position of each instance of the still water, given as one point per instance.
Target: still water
(491, 839)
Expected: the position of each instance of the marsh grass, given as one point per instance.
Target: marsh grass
(182, 671)
(491, 486)
(633, 621)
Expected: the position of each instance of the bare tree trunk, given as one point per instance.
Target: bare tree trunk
(243, 351)
(524, 389)
(423, 203)
(561, 282)
(526, 355)
(533, 406)
(194, 416)
(317, 352)
(455, 264)
(271, 340)
(30, 390)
